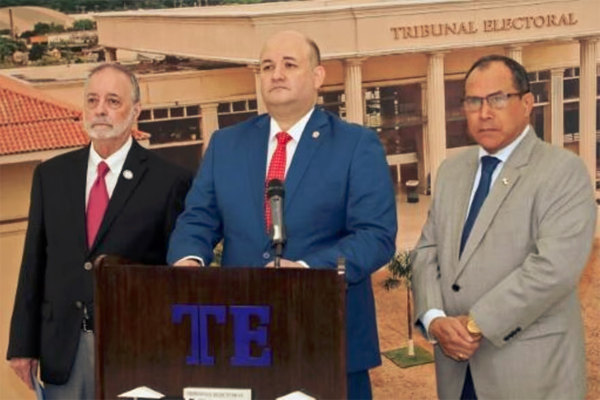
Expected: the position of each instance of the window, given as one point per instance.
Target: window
(457, 134)
(192, 110)
(145, 115)
(234, 112)
(177, 112)
(173, 130)
(394, 112)
(454, 92)
(571, 83)
(571, 121)
(171, 124)
(540, 85)
(537, 120)
(334, 102)
(161, 113)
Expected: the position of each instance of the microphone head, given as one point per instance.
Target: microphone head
(275, 188)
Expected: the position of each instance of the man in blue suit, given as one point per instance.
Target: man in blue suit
(339, 197)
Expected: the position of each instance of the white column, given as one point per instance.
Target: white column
(515, 52)
(353, 90)
(587, 104)
(557, 125)
(436, 113)
(423, 144)
(210, 122)
(260, 104)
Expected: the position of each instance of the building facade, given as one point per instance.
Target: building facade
(395, 66)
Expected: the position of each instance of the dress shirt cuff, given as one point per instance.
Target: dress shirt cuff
(426, 321)
(199, 259)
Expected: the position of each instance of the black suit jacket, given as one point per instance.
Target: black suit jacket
(53, 283)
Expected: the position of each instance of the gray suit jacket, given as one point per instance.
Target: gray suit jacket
(518, 273)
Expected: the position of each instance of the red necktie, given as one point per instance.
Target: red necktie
(97, 203)
(276, 170)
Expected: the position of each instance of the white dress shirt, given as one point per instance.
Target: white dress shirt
(295, 132)
(115, 164)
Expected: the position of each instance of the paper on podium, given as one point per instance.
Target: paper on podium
(297, 395)
(143, 392)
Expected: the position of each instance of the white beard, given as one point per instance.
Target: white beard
(103, 132)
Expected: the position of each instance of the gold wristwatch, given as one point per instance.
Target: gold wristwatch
(472, 326)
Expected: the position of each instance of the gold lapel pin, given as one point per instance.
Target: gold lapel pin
(127, 174)
(316, 134)
(505, 181)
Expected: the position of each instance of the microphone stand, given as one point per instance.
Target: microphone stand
(278, 242)
(275, 196)
(278, 253)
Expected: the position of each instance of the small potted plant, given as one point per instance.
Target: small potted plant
(400, 268)
(401, 272)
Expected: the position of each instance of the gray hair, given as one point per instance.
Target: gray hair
(135, 86)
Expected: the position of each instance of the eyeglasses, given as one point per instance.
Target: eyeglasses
(496, 101)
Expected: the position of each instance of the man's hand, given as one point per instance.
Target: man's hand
(286, 264)
(24, 368)
(454, 339)
(187, 262)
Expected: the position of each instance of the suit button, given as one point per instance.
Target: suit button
(455, 287)
(78, 304)
(266, 255)
(87, 266)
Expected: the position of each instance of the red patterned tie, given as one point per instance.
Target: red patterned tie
(276, 170)
(97, 203)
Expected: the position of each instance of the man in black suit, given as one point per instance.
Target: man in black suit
(112, 197)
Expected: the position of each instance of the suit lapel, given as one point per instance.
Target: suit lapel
(76, 187)
(462, 185)
(315, 133)
(255, 145)
(136, 164)
(506, 181)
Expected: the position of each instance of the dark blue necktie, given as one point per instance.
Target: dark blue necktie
(488, 165)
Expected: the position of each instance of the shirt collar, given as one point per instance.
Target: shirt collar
(116, 160)
(295, 131)
(505, 153)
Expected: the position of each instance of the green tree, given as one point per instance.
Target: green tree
(84, 25)
(42, 28)
(37, 51)
(400, 268)
(27, 34)
(8, 47)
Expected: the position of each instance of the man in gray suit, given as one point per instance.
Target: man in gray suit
(497, 266)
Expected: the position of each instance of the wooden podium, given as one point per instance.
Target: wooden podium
(274, 331)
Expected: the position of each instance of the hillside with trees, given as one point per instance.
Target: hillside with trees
(81, 6)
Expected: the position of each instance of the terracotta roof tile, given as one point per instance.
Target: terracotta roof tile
(31, 120)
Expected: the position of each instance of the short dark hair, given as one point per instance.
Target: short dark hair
(520, 78)
(314, 49)
(135, 86)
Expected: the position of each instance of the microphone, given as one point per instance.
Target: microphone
(275, 196)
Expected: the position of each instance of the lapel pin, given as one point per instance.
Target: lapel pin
(127, 174)
(505, 181)
(315, 134)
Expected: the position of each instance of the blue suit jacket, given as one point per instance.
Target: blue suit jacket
(339, 202)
